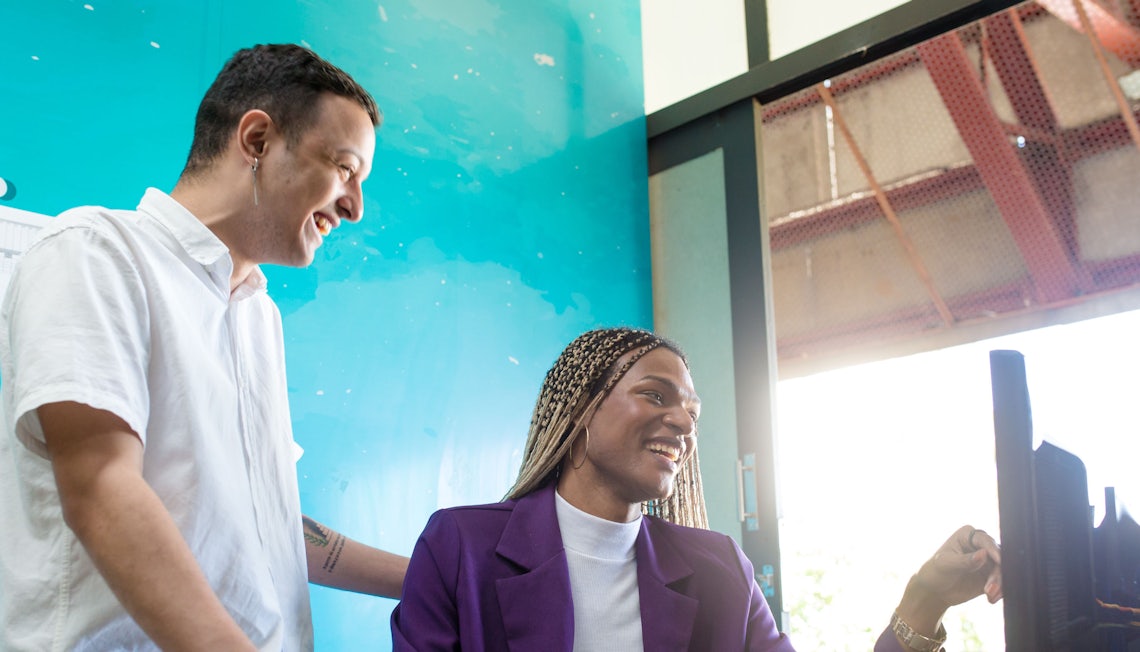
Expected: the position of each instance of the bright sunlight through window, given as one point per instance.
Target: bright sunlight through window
(881, 462)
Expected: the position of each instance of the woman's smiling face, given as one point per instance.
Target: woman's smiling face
(639, 436)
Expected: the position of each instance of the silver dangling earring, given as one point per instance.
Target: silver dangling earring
(585, 452)
(256, 163)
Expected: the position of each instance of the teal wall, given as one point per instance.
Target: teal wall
(506, 213)
(692, 304)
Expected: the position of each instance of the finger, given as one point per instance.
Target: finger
(993, 587)
(961, 538)
(987, 543)
(995, 554)
(978, 559)
(980, 540)
(993, 590)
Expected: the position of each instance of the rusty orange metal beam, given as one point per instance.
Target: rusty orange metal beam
(1109, 78)
(888, 210)
(1009, 51)
(1038, 237)
(1120, 37)
(1043, 151)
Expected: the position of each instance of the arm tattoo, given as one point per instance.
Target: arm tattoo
(334, 553)
(319, 535)
(315, 533)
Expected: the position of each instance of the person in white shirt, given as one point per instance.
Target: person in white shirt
(148, 488)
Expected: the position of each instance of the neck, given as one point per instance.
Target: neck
(211, 201)
(595, 498)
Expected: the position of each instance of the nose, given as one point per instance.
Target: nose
(679, 419)
(350, 206)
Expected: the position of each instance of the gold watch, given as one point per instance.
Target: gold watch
(915, 641)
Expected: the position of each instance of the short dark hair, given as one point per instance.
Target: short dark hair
(285, 81)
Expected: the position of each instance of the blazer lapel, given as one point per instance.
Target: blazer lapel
(667, 616)
(536, 604)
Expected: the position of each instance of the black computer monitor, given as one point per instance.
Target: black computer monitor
(1047, 536)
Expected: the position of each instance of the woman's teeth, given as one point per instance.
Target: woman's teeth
(667, 452)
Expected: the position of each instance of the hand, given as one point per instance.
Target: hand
(966, 566)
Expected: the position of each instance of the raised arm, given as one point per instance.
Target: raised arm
(342, 563)
(967, 565)
(129, 535)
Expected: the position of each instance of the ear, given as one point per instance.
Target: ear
(254, 131)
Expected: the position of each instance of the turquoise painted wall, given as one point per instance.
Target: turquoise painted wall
(505, 214)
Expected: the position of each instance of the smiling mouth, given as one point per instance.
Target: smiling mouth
(668, 452)
(324, 225)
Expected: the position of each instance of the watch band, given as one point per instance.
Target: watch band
(915, 641)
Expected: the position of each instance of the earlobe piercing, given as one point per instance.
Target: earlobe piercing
(256, 163)
(585, 452)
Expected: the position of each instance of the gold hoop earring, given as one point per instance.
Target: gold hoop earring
(256, 164)
(585, 452)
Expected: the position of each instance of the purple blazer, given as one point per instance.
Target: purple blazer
(494, 577)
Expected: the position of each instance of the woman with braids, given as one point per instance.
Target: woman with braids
(601, 544)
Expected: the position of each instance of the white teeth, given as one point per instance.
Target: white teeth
(671, 453)
(323, 225)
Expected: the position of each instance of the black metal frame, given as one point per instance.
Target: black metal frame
(726, 117)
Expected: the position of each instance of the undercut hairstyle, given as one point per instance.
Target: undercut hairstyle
(283, 80)
(581, 378)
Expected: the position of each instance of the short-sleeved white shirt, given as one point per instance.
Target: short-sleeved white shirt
(131, 312)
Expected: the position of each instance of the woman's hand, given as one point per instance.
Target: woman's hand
(966, 566)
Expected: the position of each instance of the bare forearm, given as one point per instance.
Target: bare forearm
(131, 538)
(921, 610)
(139, 551)
(340, 562)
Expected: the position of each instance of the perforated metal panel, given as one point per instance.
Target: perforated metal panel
(988, 172)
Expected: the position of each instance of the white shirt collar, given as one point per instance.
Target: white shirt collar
(590, 535)
(198, 241)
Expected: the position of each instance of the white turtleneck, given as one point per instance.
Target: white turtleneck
(603, 579)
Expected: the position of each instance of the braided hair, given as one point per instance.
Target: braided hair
(581, 378)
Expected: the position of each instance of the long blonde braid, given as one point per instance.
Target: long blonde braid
(579, 381)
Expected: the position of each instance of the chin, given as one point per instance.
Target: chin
(303, 258)
(660, 494)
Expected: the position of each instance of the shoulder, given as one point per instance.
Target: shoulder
(475, 516)
(96, 218)
(92, 225)
(95, 243)
(705, 549)
(703, 539)
(467, 527)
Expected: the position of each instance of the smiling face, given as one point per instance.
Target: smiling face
(307, 188)
(640, 435)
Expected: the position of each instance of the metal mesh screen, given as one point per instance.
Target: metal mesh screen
(985, 173)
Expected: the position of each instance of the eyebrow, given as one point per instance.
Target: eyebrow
(349, 150)
(676, 388)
